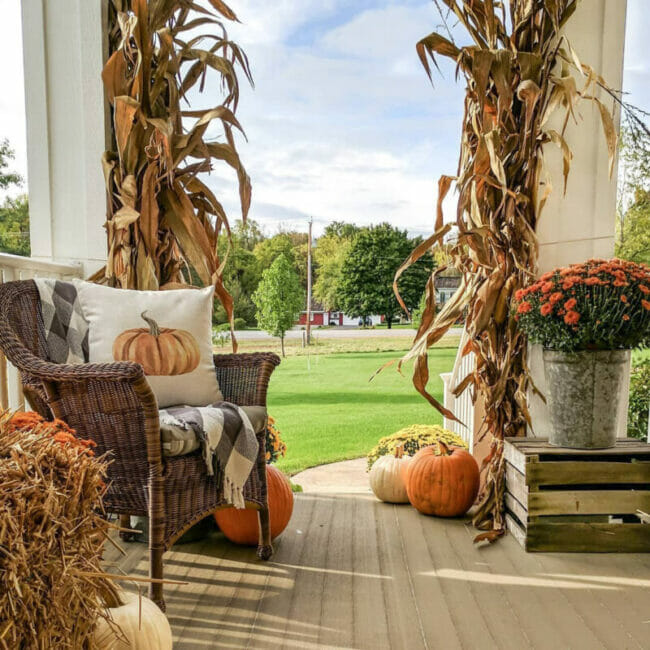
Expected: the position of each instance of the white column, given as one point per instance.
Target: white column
(580, 225)
(63, 55)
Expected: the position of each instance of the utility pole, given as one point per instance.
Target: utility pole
(308, 328)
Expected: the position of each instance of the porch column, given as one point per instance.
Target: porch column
(63, 56)
(580, 225)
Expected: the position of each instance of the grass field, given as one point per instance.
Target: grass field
(327, 410)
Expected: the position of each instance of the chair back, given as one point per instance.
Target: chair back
(22, 335)
(21, 321)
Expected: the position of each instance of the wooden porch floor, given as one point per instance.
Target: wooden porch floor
(351, 572)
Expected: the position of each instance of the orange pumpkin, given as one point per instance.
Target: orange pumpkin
(159, 350)
(241, 526)
(445, 485)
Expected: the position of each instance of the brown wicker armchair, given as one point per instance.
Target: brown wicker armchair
(113, 405)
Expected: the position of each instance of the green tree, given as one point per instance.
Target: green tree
(14, 226)
(247, 235)
(366, 283)
(293, 245)
(242, 272)
(7, 178)
(279, 298)
(633, 209)
(330, 252)
(633, 231)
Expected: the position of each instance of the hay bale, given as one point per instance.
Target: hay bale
(51, 536)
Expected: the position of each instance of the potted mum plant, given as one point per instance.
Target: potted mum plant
(587, 317)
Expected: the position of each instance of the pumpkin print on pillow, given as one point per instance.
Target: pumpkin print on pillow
(160, 351)
(169, 333)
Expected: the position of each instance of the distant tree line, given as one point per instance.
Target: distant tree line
(353, 268)
(14, 211)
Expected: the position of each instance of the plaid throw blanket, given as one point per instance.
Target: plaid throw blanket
(66, 329)
(222, 430)
(226, 437)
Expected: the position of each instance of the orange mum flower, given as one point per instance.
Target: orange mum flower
(626, 317)
(546, 309)
(644, 289)
(646, 304)
(570, 304)
(547, 287)
(524, 308)
(571, 317)
(570, 281)
(624, 298)
(556, 297)
(519, 294)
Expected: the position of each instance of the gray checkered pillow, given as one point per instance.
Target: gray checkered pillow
(66, 329)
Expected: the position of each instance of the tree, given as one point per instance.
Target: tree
(293, 245)
(279, 298)
(242, 272)
(14, 226)
(330, 253)
(366, 282)
(633, 231)
(633, 210)
(7, 178)
(14, 211)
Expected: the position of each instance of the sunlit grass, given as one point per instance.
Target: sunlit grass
(327, 410)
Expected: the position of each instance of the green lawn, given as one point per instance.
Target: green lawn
(328, 411)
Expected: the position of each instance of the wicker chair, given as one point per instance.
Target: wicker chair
(112, 404)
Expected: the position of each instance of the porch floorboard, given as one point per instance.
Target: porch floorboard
(351, 572)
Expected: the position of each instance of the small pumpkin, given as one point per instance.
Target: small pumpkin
(142, 626)
(242, 527)
(387, 477)
(159, 350)
(443, 484)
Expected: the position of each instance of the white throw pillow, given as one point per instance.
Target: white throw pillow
(168, 332)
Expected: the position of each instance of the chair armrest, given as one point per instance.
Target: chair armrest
(111, 404)
(48, 371)
(244, 378)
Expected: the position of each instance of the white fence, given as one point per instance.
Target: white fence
(461, 406)
(15, 267)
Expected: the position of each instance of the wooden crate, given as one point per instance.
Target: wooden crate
(575, 500)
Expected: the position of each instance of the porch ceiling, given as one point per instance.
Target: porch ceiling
(351, 572)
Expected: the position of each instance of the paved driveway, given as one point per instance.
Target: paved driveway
(336, 333)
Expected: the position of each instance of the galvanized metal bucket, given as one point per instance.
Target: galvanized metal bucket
(585, 396)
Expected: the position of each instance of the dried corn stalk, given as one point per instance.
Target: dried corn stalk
(163, 221)
(519, 70)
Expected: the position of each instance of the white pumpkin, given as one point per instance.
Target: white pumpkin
(386, 477)
(152, 632)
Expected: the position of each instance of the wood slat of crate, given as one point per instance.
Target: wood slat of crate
(562, 499)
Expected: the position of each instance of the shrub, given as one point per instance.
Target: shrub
(413, 438)
(221, 334)
(637, 414)
(275, 446)
(597, 305)
(240, 323)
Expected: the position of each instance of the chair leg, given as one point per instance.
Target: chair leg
(156, 572)
(156, 539)
(125, 522)
(265, 548)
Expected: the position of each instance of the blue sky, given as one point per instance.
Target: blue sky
(343, 123)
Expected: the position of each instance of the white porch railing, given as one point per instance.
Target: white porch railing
(15, 267)
(461, 406)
